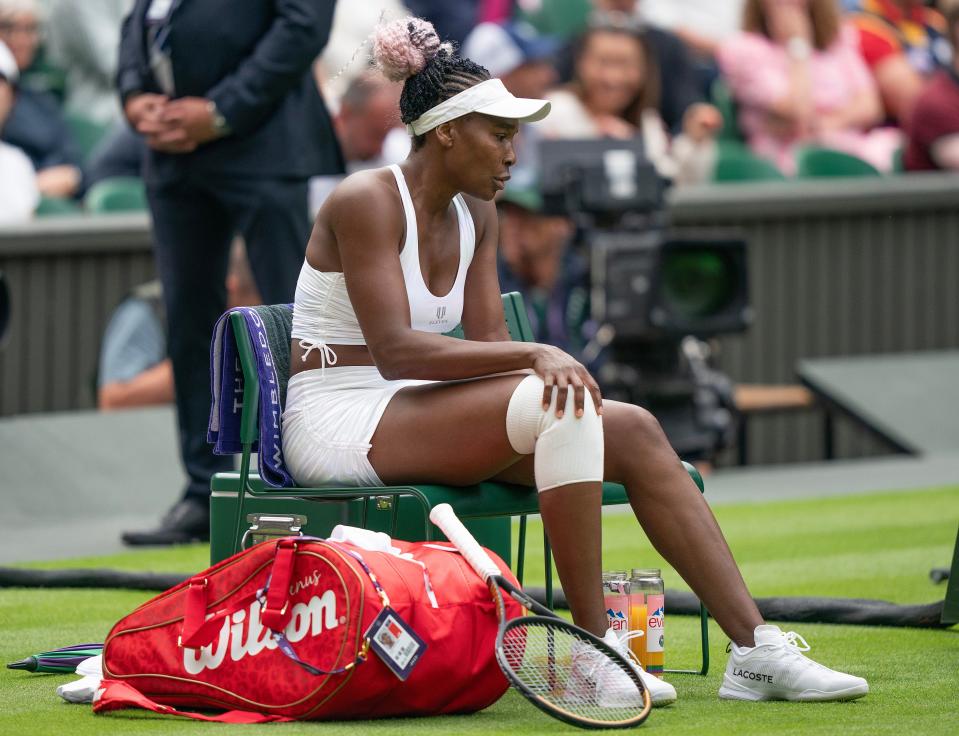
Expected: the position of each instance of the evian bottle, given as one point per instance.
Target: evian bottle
(616, 596)
(648, 610)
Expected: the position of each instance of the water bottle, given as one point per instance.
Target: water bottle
(616, 598)
(647, 613)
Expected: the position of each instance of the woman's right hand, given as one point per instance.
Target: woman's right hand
(560, 369)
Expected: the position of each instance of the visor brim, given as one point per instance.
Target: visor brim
(523, 109)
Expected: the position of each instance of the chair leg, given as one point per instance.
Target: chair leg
(241, 496)
(521, 549)
(704, 640)
(548, 558)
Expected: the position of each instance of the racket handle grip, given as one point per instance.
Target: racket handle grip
(445, 518)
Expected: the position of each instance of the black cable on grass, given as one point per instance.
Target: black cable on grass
(802, 609)
(19, 577)
(858, 611)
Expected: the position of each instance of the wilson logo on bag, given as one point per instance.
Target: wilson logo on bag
(282, 631)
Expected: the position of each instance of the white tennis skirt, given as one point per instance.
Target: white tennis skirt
(329, 419)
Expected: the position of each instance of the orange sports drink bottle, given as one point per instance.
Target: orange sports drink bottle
(647, 613)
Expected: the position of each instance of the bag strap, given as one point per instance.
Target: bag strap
(200, 628)
(117, 695)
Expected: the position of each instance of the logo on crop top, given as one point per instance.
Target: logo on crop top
(440, 314)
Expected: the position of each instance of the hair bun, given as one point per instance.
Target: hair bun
(403, 47)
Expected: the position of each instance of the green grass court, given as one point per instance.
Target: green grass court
(878, 546)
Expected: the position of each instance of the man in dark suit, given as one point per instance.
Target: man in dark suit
(224, 97)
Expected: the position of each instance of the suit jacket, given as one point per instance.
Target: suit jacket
(253, 59)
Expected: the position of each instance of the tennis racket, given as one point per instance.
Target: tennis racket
(560, 668)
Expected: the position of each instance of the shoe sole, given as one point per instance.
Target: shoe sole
(734, 691)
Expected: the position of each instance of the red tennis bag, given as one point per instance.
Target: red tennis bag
(297, 629)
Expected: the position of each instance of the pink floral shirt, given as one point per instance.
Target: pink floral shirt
(757, 72)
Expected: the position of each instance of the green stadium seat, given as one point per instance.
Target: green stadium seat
(117, 194)
(86, 133)
(722, 98)
(898, 160)
(736, 163)
(57, 207)
(816, 162)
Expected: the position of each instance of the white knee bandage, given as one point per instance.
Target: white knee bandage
(569, 449)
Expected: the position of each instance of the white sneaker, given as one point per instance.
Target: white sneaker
(776, 669)
(661, 692)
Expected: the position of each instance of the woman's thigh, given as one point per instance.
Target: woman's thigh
(452, 433)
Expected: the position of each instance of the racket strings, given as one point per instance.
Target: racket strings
(569, 673)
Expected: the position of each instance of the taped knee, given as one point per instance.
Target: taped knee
(568, 449)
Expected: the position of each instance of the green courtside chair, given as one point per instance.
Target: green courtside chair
(57, 207)
(818, 162)
(736, 163)
(116, 194)
(898, 160)
(722, 98)
(86, 133)
(483, 501)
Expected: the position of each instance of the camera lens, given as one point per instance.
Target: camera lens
(696, 283)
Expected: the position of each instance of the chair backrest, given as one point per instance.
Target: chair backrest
(86, 133)
(816, 162)
(722, 98)
(117, 194)
(56, 207)
(738, 163)
(277, 322)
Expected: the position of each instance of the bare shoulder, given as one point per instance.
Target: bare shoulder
(484, 216)
(363, 210)
(373, 190)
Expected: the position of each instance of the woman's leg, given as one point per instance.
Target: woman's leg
(672, 512)
(456, 433)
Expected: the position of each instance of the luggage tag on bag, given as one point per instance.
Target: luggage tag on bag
(395, 642)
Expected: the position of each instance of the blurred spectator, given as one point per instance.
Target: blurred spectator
(700, 24)
(903, 43)
(452, 20)
(82, 37)
(799, 79)
(934, 127)
(681, 92)
(369, 113)
(515, 53)
(18, 185)
(121, 153)
(36, 124)
(134, 369)
(235, 126)
(614, 93)
(369, 130)
(352, 24)
(534, 258)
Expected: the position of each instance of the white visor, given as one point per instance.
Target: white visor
(489, 98)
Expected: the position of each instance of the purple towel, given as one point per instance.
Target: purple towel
(268, 326)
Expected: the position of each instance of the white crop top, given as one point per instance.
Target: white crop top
(323, 314)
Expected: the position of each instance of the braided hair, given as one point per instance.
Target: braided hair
(409, 51)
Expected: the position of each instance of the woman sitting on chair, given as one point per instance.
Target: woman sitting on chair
(378, 395)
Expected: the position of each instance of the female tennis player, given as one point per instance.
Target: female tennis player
(378, 395)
